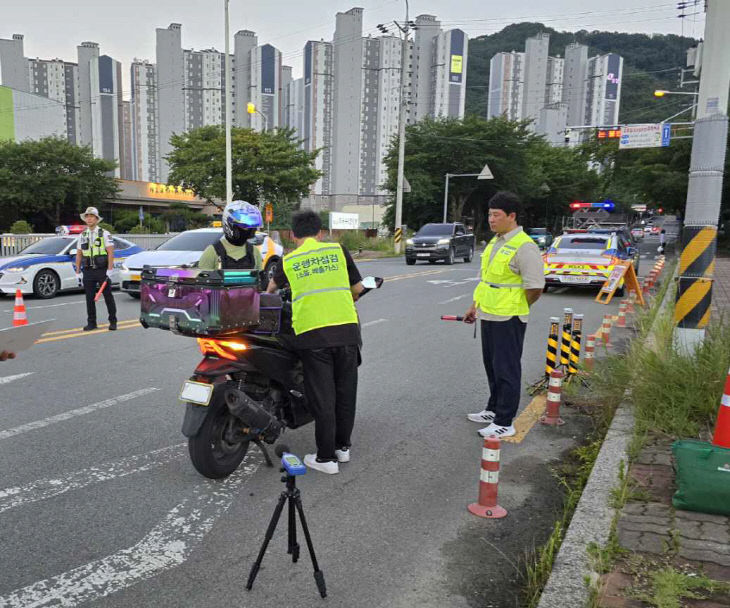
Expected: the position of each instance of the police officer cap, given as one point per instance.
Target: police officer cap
(90, 211)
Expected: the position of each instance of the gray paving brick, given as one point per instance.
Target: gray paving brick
(704, 556)
(688, 529)
(629, 539)
(657, 509)
(665, 522)
(705, 545)
(643, 526)
(634, 508)
(655, 543)
(694, 516)
(716, 532)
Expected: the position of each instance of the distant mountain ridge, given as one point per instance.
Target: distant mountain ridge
(650, 62)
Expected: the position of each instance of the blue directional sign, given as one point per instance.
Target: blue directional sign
(666, 134)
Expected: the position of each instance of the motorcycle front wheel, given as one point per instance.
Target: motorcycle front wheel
(211, 452)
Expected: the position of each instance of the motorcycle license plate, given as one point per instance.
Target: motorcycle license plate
(196, 392)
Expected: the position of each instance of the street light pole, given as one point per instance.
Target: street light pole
(704, 191)
(229, 107)
(446, 196)
(401, 138)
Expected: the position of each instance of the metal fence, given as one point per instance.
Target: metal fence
(12, 244)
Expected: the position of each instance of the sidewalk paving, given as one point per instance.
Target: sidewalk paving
(654, 530)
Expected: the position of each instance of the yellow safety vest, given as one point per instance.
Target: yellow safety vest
(321, 296)
(97, 246)
(500, 290)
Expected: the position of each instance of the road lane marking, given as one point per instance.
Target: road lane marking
(82, 334)
(527, 419)
(167, 545)
(77, 329)
(43, 489)
(369, 323)
(466, 295)
(8, 379)
(82, 411)
(29, 308)
(398, 277)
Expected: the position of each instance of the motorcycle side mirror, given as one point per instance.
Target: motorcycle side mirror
(372, 282)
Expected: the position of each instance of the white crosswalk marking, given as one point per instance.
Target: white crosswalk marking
(166, 546)
(42, 489)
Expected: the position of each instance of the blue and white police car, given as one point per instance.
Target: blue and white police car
(47, 267)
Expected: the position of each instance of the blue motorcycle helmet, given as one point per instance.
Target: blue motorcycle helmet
(240, 221)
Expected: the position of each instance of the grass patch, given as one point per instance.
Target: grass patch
(573, 476)
(355, 240)
(668, 587)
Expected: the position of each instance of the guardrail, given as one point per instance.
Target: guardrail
(12, 244)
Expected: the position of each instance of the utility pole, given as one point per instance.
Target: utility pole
(229, 109)
(398, 236)
(699, 237)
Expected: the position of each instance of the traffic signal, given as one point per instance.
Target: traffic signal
(660, 210)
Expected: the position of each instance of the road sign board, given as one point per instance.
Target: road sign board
(344, 221)
(406, 185)
(269, 212)
(645, 136)
(486, 173)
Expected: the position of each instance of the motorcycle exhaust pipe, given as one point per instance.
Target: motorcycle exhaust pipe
(253, 415)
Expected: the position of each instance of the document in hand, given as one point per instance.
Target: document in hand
(16, 339)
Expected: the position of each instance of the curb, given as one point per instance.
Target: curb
(591, 522)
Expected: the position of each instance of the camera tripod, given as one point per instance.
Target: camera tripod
(293, 497)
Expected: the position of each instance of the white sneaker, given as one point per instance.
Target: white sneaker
(343, 455)
(325, 467)
(485, 416)
(497, 431)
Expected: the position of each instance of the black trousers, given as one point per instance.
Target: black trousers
(93, 278)
(502, 353)
(330, 383)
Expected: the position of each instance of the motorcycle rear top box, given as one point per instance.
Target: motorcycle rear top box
(206, 302)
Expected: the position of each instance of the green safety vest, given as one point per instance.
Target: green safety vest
(97, 246)
(321, 296)
(500, 290)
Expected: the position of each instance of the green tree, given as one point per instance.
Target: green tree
(21, 227)
(49, 180)
(268, 167)
(544, 177)
(179, 217)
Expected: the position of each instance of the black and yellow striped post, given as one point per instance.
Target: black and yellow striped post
(696, 267)
(398, 235)
(551, 355)
(566, 337)
(576, 338)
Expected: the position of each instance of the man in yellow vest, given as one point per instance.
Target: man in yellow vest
(512, 279)
(95, 257)
(324, 283)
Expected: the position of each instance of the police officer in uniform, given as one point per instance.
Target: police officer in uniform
(512, 279)
(324, 283)
(240, 221)
(95, 258)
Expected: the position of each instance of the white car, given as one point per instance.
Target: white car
(47, 266)
(185, 249)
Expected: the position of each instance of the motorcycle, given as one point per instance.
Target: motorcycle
(247, 389)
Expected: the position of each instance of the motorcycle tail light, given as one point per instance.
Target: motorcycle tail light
(221, 348)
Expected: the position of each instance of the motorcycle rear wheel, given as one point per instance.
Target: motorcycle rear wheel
(212, 455)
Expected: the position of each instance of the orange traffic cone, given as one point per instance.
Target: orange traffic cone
(722, 427)
(19, 316)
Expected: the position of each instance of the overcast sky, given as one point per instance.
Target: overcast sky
(125, 29)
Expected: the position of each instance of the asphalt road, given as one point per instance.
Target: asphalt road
(100, 506)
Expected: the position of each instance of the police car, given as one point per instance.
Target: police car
(185, 249)
(583, 258)
(47, 267)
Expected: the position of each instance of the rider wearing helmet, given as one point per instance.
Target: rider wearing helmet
(240, 221)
